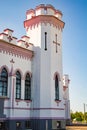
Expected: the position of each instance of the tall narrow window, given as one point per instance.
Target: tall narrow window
(56, 88)
(18, 85)
(28, 124)
(3, 82)
(45, 40)
(27, 87)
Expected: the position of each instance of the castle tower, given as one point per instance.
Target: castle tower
(44, 26)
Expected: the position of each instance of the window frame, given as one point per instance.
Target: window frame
(4, 82)
(18, 85)
(56, 88)
(27, 94)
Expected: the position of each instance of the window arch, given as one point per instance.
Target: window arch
(56, 88)
(3, 82)
(18, 85)
(27, 87)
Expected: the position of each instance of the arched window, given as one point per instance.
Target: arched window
(18, 85)
(56, 88)
(3, 82)
(27, 87)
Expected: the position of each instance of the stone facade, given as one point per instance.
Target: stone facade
(31, 84)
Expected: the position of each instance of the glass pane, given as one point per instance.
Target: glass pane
(3, 82)
(0, 84)
(27, 86)
(56, 88)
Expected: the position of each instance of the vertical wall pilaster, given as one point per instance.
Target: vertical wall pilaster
(22, 88)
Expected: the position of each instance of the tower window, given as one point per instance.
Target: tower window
(56, 88)
(45, 41)
(45, 11)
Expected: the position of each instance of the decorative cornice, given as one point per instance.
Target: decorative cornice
(24, 118)
(25, 108)
(44, 19)
(15, 50)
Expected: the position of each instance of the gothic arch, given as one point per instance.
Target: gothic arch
(58, 75)
(28, 73)
(4, 66)
(19, 71)
(27, 85)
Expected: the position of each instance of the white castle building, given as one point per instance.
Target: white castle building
(33, 92)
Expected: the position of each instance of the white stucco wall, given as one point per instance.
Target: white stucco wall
(43, 66)
(25, 66)
(46, 64)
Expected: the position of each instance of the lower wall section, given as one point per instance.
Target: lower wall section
(41, 124)
(32, 124)
(78, 127)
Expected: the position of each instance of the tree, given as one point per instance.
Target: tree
(72, 116)
(78, 116)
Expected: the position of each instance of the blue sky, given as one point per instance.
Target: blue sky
(12, 15)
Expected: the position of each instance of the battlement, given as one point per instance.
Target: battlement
(7, 36)
(43, 10)
(24, 42)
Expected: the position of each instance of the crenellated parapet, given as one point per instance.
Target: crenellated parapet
(43, 10)
(44, 14)
(24, 42)
(7, 36)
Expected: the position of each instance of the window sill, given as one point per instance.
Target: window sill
(4, 97)
(27, 100)
(18, 100)
(57, 100)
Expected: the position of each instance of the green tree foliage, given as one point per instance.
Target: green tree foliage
(78, 116)
(72, 116)
(85, 116)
